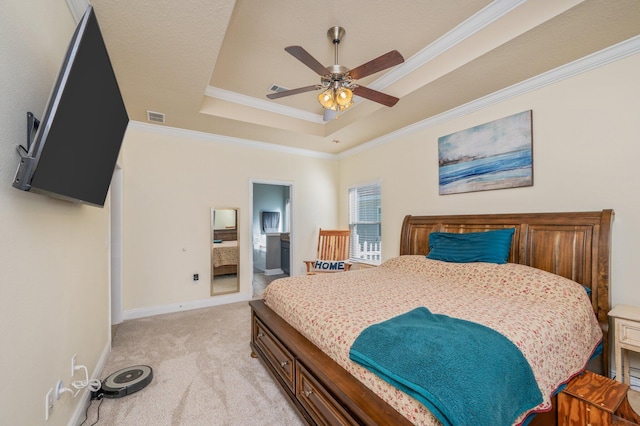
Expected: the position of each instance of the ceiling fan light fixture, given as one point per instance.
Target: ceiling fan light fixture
(343, 107)
(343, 96)
(327, 99)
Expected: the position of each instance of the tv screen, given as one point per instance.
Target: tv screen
(76, 145)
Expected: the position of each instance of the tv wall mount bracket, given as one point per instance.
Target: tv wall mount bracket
(26, 161)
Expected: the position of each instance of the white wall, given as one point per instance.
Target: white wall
(585, 147)
(54, 254)
(584, 150)
(171, 180)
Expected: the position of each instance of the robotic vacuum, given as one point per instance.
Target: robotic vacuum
(127, 381)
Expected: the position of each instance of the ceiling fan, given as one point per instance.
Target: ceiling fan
(337, 82)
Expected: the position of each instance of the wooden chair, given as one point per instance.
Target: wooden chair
(333, 245)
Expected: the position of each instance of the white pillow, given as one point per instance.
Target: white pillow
(329, 265)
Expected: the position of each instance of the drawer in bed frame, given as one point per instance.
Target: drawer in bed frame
(280, 360)
(317, 400)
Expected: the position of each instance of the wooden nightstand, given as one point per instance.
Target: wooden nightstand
(626, 323)
(591, 399)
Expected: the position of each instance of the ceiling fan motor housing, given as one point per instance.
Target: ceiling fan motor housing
(337, 71)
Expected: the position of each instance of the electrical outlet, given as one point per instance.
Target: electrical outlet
(49, 404)
(196, 277)
(73, 364)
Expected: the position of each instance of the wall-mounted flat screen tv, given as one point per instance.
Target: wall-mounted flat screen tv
(75, 148)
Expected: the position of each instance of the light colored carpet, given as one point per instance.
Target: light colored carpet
(203, 373)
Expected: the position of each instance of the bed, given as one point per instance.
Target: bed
(224, 257)
(326, 387)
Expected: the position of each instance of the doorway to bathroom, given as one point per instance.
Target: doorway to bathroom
(271, 232)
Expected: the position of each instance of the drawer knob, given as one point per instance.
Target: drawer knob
(260, 335)
(308, 393)
(283, 364)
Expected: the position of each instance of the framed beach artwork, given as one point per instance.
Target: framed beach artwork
(494, 155)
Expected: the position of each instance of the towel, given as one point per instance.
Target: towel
(463, 372)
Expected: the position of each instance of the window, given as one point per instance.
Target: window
(365, 223)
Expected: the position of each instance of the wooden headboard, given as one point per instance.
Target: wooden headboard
(225, 234)
(574, 245)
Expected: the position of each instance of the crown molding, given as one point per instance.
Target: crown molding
(606, 56)
(237, 98)
(466, 29)
(229, 140)
(475, 23)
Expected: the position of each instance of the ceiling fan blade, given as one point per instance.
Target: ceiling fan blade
(380, 63)
(305, 57)
(375, 96)
(293, 91)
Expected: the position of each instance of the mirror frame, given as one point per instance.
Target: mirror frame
(224, 235)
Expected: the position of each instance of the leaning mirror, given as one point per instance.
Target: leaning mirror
(225, 252)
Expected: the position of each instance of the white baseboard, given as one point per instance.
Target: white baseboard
(273, 271)
(177, 307)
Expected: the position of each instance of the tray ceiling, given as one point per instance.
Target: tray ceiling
(208, 65)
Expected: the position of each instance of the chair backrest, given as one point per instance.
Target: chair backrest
(333, 244)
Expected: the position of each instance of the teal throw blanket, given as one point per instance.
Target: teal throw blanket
(463, 372)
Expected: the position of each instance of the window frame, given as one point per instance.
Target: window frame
(372, 189)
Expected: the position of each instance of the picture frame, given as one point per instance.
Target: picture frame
(493, 155)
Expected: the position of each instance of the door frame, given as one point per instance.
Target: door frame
(290, 184)
(115, 240)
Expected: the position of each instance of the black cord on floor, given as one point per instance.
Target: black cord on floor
(98, 419)
(86, 413)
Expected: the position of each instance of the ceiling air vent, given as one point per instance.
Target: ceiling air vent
(156, 117)
(276, 88)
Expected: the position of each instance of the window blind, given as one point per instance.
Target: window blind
(365, 222)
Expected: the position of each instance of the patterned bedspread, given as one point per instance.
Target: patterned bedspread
(549, 318)
(225, 253)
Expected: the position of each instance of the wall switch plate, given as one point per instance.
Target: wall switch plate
(49, 404)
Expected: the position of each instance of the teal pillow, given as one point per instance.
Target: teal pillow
(489, 246)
